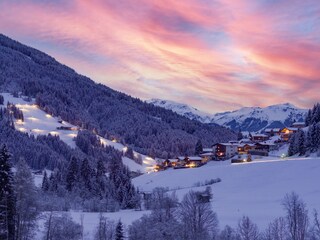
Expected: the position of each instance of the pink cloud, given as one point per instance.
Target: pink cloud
(155, 49)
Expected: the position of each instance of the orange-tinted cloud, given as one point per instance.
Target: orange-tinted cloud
(215, 55)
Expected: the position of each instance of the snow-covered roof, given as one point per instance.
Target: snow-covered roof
(298, 123)
(291, 128)
(172, 160)
(195, 158)
(259, 135)
(207, 154)
(272, 130)
(229, 144)
(207, 150)
(245, 140)
(244, 144)
(265, 144)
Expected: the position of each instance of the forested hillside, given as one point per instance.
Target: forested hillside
(60, 91)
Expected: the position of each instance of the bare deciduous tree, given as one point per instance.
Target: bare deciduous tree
(228, 233)
(247, 230)
(198, 219)
(106, 229)
(277, 230)
(296, 216)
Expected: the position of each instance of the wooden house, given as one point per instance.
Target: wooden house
(245, 148)
(226, 150)
(287, 132)
(272, 132)
(259, 137)
(194, 161)
(207, 156)
(266, 147)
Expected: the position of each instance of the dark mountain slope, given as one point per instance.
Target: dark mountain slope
(77, 99)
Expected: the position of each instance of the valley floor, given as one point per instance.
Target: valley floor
(254, 189)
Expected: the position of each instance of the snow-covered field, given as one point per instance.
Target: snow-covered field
(254, 189)
(37, 122)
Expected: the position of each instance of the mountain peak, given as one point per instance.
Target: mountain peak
(181, 109)
(283, 105)
(246, 118)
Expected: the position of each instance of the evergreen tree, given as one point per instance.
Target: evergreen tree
(45, 182)
(1, 100)
(240, 135)
(129, 153)
(86, 172)
(198, 148)
(101, 180)
(7, 197)
(293, 146)
(301, 142)
(72, 174)
(54, 181)
(123, 190)
(308, 118)
(316, 114)
(313, 137)
(119, 231)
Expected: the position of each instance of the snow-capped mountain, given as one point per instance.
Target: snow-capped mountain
(182, 109)
(247, 119)
(257, 118)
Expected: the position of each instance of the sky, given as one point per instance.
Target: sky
(215, 55)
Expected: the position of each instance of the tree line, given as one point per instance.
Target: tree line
(307, 141)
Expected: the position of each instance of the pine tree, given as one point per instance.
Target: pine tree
(86, 173)
(72, 174)
(240, 135)
(45, 182)
(198, 148)
(123, 190)
(101, 180)
(119, 231)
(129, 153)
(7, 197)
(1, 100)
(293, 149)
(316, 114)
(308, 118)
(301, 142)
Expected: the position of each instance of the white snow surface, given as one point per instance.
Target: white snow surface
(253, 189)
(38, 122)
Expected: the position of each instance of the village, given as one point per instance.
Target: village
(239, 151)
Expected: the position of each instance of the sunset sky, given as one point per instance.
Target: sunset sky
(215, 55)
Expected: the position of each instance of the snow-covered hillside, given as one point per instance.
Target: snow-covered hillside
(254, 189)
(37, 122)
(248, 119)
(182, 109)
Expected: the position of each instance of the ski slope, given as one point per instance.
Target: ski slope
(38, 122)
(254, 189)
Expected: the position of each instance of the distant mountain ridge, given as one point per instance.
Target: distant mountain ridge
(252, 119)
(182, 109)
